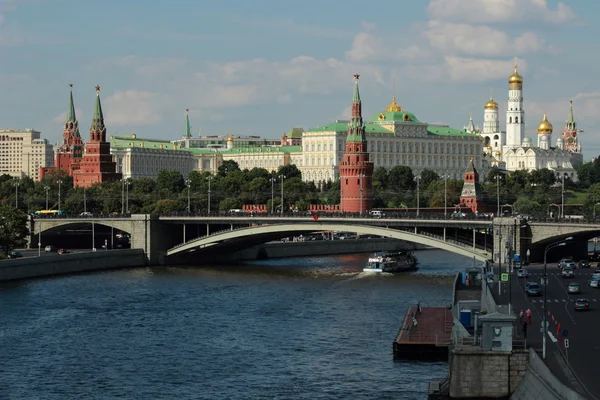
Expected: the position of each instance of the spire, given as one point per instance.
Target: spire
(471, 127)
(471, 167)
(71, 118)
(571, 117)
(188, 129)
(356, 129)
(491, 93)
(98, 118)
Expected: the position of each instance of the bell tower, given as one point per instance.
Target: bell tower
(515, 114)
(356, 171)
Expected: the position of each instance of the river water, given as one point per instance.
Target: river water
(300, 328)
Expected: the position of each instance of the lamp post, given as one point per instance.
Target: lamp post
(17, 183)
(208, 200)
(597, 204)
(123, 196)
(282, 178)
(545, 323)
(418, 179)
(360, 178)
(445, 196)
(47, 189)
(498, 195)
(272, 195)
(562, 198)
(59, 184)
(188, 183)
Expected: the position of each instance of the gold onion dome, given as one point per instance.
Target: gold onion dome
(545, 127)
(515, 77)
(394, 107)
(491, 104)
(230, 138)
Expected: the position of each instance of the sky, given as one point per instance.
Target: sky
(262, 67)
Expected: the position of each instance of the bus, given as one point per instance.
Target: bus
(49, 212)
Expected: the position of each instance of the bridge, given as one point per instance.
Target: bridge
(175, 238)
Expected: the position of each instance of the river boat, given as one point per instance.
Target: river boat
(400, 261)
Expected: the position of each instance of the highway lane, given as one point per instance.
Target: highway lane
(582, 327)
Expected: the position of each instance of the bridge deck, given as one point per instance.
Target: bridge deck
(426, 339)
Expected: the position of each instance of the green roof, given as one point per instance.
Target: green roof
(295, 133)
(395, 116)
(127, 141)
(195, 150)
(337, 126)
(446, 131)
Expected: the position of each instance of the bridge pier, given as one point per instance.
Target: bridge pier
(507, 238)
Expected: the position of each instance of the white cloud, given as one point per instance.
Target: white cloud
(367, 47)
(480, 70)
(585, 108)
(61, 118)
(500, 11)
(481, 40)
(145, 67)
(132, 108)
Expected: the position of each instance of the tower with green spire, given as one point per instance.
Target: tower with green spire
(356, 171)
(187, 134)
(70, 151)
(97, 164)
(571, 133)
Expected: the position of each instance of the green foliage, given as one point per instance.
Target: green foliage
(228, 167)
(169, 181)
(427, 176)
(289, 171)
(13, 229)
(589, 173)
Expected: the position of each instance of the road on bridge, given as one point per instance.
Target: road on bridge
(581, 328)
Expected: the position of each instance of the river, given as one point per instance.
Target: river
(299, 328)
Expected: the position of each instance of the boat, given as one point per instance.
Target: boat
(399, 261)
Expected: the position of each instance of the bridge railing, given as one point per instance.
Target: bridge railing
(80, 216)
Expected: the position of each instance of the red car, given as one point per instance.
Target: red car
(63, 251)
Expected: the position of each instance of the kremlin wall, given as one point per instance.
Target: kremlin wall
(344, 150)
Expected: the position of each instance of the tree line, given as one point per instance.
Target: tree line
(230, 188)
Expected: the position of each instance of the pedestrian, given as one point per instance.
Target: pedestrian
(525, 330)
(528, 316)
(521, 318)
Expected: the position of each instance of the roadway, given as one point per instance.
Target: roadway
(581, 327)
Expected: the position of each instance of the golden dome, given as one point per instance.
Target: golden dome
(545, 127)
(497, 154)
(230, 138)
(515, 78)
(393, 107)
(491, 104)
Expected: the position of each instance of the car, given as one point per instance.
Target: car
(573, 288)
(596, 274)
(585, 264)
(15, 254)
(490, 277)
(566, 262)
(582, 305)
(86, 214)
(594, 282)
(533, 289)
(63, 251)
(50, 249)
(567, 273)
(522, 273)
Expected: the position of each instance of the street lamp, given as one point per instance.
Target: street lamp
(272, 195)
(84, 199)
(59, 183)
(498, 195)
(360, 178)
(418, 179)
(46, 188)
(17, 183)
(544, 327)
(445, 196)
(562, 208)
(208, 200)
(188, 183)
(282, 177)
(597, 204)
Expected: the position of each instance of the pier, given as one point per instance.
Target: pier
(425, 334)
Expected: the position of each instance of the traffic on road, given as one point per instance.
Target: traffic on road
(573, 314)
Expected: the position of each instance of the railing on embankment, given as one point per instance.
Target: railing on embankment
(55, 264)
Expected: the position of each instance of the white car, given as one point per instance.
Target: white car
(567, 273)
(522, 273)
(594, 283)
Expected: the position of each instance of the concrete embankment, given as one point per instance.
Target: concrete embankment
(35, 267)
(321, 247)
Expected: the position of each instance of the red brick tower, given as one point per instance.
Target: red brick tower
(471, 192)
(356, 171)
(97, 164)
(69, 154)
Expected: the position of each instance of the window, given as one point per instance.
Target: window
(510, 120)
(516, 120)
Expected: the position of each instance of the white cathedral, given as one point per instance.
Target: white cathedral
(513, 150)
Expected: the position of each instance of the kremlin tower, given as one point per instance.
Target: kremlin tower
(471, 196)
(570, 132)
(515, 114)
(69, 154)
(97, 164)
(356, 171)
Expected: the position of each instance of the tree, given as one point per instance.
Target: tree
(227, 167)
(380, 178)
(289, 171)
(401, 178)
(542, 177)
(170, 181)
(13, 229)
(427, 176)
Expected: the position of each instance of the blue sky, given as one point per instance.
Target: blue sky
(263, 67)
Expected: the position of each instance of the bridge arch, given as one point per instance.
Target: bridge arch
(251, 236)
